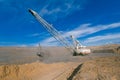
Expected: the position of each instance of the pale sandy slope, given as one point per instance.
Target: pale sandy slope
(57, 64)
(107, 68)
(34, 71)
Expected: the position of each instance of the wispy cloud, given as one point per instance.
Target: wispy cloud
(34, 35)
(41, 34)
(103, 37)
(87, 29)
(12, 44)
(49, 42)
(57, 8)
(84, 30)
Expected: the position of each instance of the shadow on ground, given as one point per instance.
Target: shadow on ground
(74, 72)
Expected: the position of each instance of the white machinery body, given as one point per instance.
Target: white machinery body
(83, 51)
(79, 49)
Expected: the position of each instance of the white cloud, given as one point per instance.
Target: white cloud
(60, 8)
(80, 31)
(87, 29)
(26, 45)
(22, 45)
(108, 37)
(84, 30)
(34, 35)
(41, 34)
(49, 42)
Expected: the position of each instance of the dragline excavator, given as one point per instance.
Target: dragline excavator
(76, 48)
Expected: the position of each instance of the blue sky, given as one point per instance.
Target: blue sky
(92, 22)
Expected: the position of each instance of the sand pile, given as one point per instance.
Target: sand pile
(99, 69)
(33, 71)
(117, 50)
(114, 48)
(62, 65)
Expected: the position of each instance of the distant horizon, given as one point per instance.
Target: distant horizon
(55, 46)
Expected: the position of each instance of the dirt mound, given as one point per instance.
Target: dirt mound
(99, 69)
(33, 71)
(113, 48)
(24, 64)
(117, 50)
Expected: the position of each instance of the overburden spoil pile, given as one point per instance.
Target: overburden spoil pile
(33, 71)
(115, 48)
(106, 68)
(98, 69)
